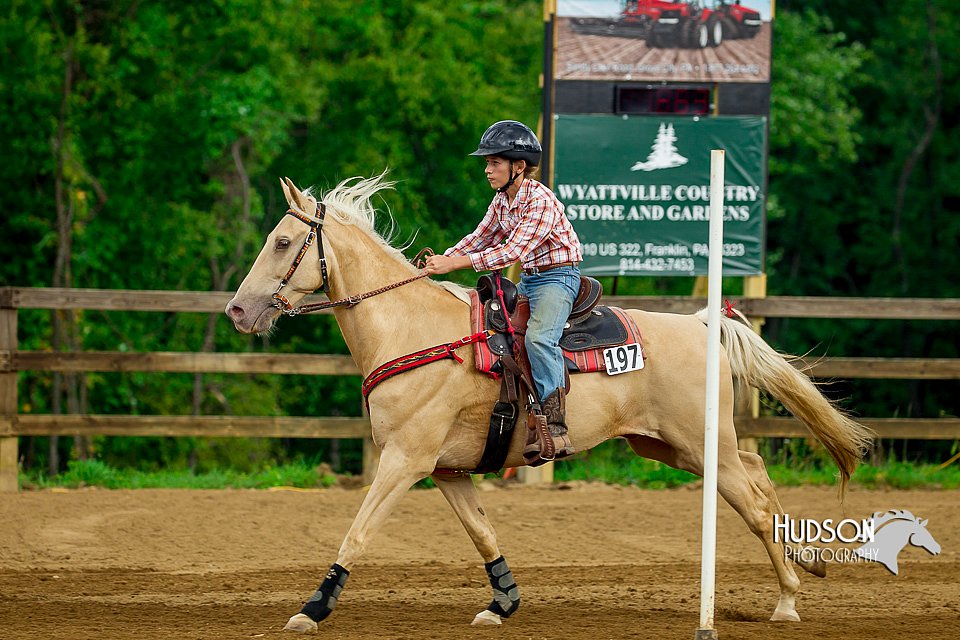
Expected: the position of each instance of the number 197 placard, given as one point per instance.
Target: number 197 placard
(624, 358)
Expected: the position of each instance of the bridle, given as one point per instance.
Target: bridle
(315, 235)
(316, 227)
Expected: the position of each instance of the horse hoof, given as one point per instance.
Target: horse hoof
(818, 568)
(486, 618)
(785, 616)
(814, 567)
(301, 624)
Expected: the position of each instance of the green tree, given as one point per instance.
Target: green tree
(142, 143)
(884, 224)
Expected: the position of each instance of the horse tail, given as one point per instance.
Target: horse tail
(755, 363)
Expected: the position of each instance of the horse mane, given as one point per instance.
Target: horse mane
(880, 519)
(350, 203)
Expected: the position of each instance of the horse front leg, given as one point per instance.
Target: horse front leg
(460, 492)
(397, 473)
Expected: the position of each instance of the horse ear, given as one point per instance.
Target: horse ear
(924, 523)
(296, 198)
(286, 192)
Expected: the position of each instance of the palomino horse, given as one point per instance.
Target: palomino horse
(434, 419)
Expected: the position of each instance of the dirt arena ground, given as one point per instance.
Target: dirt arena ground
(619, 563)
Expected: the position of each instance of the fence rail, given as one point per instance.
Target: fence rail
(770, 307)
(13, 361)
(184, 426)
(303, 427)
(335, 365)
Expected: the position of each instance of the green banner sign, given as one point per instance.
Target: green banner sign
(637, 190)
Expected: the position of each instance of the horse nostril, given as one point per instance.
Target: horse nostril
(235, 311)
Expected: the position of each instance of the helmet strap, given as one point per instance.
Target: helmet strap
(510, 182)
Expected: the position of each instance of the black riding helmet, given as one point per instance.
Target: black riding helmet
(511, 140)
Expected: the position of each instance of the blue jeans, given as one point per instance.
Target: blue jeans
(551, 296)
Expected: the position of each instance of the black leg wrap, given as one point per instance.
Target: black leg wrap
(321, 604)
(506, 596)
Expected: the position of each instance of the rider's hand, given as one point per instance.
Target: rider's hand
(438, 264)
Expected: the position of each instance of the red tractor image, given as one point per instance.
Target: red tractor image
(688, 23)
(634, 20)
(738, 21)
(676, 23)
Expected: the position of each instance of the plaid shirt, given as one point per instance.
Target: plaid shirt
(532, 229)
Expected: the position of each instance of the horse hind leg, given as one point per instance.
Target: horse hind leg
(753, 463)
(748, 498)
(460, 492)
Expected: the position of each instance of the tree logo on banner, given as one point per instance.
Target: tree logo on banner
(663, 154)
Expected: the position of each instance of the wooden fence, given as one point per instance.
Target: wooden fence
(12, 361)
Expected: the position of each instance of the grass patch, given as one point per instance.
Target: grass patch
(904, 475)
(601, 466)
(612, 462)
(893, 475)
(615, 463)
(94, 473)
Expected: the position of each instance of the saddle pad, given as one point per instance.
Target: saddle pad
(581, 361)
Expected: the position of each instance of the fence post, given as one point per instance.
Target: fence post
(536, 475)
(753, 287)
(8, 402)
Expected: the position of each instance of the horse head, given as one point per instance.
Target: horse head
(290, 261)
(922, 538)
(892, 531)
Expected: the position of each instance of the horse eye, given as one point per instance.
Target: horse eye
(282, 243)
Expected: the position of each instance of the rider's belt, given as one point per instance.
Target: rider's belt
(535, 270)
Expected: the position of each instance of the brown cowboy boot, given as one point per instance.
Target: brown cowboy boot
(555, 409)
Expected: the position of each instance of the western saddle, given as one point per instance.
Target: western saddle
(505, 316)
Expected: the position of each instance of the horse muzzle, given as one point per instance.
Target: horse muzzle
(251, 318)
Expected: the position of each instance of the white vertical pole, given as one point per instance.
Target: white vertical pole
(708, 553)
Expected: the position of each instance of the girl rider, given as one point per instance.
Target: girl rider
(525, 222)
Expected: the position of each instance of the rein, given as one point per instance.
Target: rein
(315, 235)
(349, 301)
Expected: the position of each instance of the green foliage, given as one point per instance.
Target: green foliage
(907, 475)
(863, 195)
(610, 463)
(813, 114)
(615, 463)
(813, 141)
(93, 473)
(411, 87)
(155, 132)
